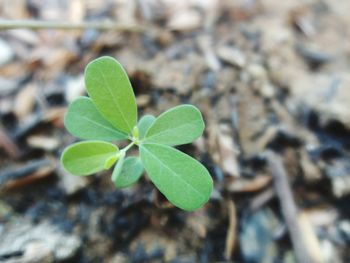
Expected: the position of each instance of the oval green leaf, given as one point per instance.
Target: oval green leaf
(89, 157)
(110, 90)
(179, 125)
(128, 173)
(184, 181)
(144, 123)
(84, 121)
(118, 167)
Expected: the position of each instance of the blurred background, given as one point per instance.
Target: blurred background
(272, 80)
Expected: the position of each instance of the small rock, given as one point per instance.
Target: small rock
(312, 55)
(7, 86)
(186, 20)
(6, 53)
(257, 72)
(232, 56)
(74, 88)
(339, 173)
(71, 184)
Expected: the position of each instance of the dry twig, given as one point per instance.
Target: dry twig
(231, 232)
(66, 25)
(288, 207)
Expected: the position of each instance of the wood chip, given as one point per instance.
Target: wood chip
(25, 101)
(43, 142)
(223, 148)
(248, 185)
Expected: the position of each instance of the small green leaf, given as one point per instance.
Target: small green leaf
(84, 121)
(110, 90)
(144, 123)
(179, 125)
(110, 162)
(183, 180)
(135, 132)
(89, 157)
(130, 172)
(118, 167)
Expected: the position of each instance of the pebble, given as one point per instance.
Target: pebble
(6, 53)
(232, 55)
(185, 21)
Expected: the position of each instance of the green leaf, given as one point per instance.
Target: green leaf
(89, 157)
(144, 123)
(179, 125)
(183, 180)
(110, 162)
(119, 166)
(130, 171)
(110, 90)
(84, 121)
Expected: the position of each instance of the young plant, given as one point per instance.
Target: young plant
(110, 115)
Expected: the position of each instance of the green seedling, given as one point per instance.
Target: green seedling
(110, 115)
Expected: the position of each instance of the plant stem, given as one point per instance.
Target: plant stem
(128, 147)
(66, 25)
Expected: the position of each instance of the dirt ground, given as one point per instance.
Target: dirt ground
(272, 79)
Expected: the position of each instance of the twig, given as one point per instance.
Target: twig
(66, 25)
(288, 207)
(262, 199)
(23, 174)
(232, 229)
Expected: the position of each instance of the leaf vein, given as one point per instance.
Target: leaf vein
(175, 174)
(114, 99)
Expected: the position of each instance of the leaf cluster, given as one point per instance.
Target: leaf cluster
(109, 115)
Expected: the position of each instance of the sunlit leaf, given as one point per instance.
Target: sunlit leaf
(144, 123)
(118, 167)
(110, 162)
(88, 157)
(179, 125)
(110, 90)
(183, 180)
(84, 121)
(128, 172)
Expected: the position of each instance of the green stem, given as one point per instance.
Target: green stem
(128, 147)
(121, 155)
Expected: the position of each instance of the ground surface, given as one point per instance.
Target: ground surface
(267, 75)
